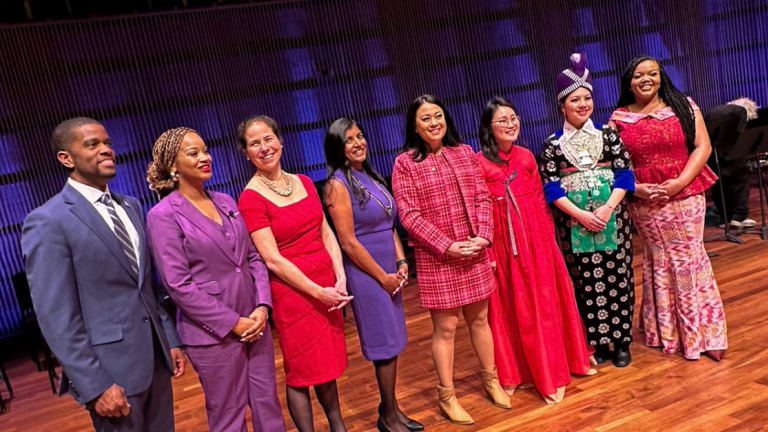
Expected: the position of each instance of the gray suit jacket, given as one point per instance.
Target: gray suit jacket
(97, 317)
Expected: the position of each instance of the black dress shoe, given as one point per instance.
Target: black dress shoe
(410, 424)
(621, 356)
(602, 353)
(381, 426)
(413, 425)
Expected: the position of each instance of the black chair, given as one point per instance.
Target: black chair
(724, 130)
(36, 344)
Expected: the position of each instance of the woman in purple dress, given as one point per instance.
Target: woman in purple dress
(363, 212)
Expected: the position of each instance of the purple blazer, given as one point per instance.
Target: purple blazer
(211, 286)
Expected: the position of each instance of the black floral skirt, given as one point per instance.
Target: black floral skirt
(603, 282)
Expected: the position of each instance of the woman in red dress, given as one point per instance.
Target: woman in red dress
(286, 221)
(537, 330)
(445, 207)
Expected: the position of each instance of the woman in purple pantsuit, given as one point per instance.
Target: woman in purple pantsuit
(363, 212)
(219, 282)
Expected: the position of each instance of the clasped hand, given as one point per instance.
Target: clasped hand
(595, 221)
(468, 248)
(659, 192)
(394, 282)
(336, 296)
(591, 221)
(251, 328)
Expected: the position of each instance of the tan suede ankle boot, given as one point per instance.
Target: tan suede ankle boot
(497, 394)
(451, 408)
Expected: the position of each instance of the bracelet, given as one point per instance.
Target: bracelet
(610, 206)
(401, 262)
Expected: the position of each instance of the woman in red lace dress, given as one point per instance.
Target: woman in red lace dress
(286, 221)
(538, 334)
(668, 143)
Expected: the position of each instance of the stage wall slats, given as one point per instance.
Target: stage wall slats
(307, 63)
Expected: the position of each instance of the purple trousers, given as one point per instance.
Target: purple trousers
(235, 375)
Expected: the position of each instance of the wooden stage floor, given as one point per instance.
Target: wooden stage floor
(658, 392)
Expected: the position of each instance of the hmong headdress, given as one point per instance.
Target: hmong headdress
(574, 77)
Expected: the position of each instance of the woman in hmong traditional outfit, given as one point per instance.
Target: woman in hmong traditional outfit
(587, 171)
(669, 145)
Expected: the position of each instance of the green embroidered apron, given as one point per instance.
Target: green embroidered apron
(594, 192)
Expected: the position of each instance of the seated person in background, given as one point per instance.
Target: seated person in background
(734, 173)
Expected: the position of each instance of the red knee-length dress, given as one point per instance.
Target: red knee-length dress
(311, 338)
(538, 334)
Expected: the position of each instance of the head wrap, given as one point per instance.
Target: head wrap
(163, 155)
(574, 77)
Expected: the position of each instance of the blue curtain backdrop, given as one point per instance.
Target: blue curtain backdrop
(307, 63)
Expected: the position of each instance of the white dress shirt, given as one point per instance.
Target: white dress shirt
(93, 195)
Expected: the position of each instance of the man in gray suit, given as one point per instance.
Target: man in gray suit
(89, 272)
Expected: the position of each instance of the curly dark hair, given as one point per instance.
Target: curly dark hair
(668, 93)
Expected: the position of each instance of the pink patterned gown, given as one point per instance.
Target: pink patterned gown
(682, 308)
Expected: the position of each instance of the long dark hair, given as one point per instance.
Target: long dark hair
(413, 140)
(336, 158)
(673, 97)
(488, 143)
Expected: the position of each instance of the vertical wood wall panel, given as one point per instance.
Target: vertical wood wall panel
(306, 63)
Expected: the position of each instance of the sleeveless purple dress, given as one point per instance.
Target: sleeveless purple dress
(379, 317)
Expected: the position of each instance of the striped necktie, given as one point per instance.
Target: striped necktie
(121, 233)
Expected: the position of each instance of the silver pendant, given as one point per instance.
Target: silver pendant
(585, 158)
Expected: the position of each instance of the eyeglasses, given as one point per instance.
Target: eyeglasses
(507, 121)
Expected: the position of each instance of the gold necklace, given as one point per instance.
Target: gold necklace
(273, 185)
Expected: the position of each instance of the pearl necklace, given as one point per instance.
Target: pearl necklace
(273, 185)
(389, 208)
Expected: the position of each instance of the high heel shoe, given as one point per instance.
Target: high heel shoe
(409, 423)
(510, 390)
(451, 408)
(715, 355)
(555, 398)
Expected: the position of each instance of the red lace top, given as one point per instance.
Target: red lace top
(656, 145)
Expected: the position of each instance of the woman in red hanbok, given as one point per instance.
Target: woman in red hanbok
(538, 333)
